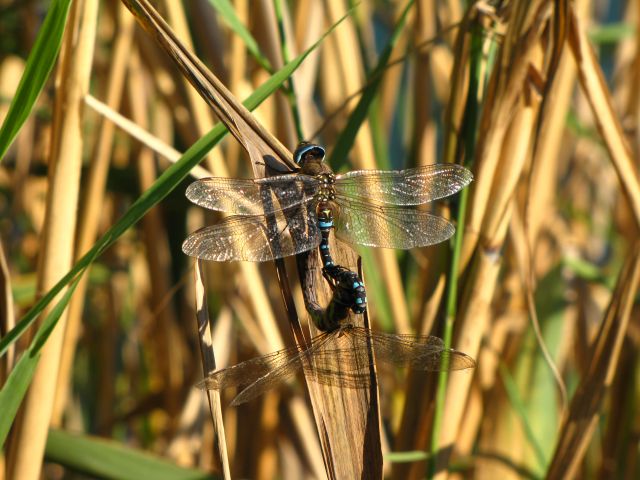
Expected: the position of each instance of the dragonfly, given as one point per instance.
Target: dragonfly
(284, 215)
(339, 357)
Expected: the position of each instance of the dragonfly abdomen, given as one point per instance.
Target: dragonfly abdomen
(325, 224)
(348, 294)
(348, 288)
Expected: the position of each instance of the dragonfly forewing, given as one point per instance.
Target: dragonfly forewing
(256, 238)
(413, 186)
(252, 196)
(386, 226)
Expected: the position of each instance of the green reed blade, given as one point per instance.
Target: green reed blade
(39, 64)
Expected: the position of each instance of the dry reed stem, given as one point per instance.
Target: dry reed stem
(518, 50)
(473, 322)
(306, 75)
(72, 82)
(308, 433)
(497, 176)
(392, 79)
(265, 465)
(425, 29)
(458, 85)
(201, 115)
(586, 404)
(7, 317)
(92, 206)
(544, 165)
(11, 70)
(475, 413)
(232, 113)
(142, 135)
(209, 366)
(156, 250)
(513, 155)
(595, 88)
(237, 85)
(281, 124)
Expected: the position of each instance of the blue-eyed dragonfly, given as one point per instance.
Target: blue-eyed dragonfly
(328, 355)
(304, 207)
(288, 214)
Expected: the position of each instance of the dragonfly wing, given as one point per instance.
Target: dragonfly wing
(413, 186)
(345, 362)
(418, 352)
(252, 196)
(286, 366)
(256, 238)
(372, 225)
(247, 372)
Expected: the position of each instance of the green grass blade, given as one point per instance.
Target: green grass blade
(14, 390)
(611, 33)
(228, 14)
(20, 377)
(406, 457)
(159, 190)
(102, 458)
(39, 64)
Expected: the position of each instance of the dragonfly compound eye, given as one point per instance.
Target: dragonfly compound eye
(306, 151)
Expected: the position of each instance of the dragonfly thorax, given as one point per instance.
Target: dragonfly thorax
(326, 189)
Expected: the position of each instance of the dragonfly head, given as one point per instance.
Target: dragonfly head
(306, 151)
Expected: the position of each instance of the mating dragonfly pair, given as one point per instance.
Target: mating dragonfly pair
(289, 214)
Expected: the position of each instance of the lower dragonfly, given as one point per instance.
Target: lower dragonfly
(339, 357)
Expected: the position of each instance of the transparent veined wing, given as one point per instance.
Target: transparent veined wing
(413, 186)
(372, 225)
(252, 196)
(256, 238)
(417, 352)
(260, 374)
(339, 358)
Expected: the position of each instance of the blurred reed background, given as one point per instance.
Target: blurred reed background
(540, 99)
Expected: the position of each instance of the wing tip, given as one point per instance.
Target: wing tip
(469, 361)
(192, 190)
(188, 247)
(465, 176)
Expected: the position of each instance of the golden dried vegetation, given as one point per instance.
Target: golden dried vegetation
(105, 322)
